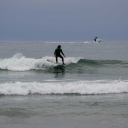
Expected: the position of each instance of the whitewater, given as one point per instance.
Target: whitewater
(20, 63)
(63, 88)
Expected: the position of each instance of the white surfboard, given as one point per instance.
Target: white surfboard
(56, 64)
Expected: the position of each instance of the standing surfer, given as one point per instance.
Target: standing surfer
(57, 54)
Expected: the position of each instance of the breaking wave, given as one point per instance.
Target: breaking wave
(65, 88)
(20, 63)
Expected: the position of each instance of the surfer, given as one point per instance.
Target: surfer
(95, 39)
(57, 54)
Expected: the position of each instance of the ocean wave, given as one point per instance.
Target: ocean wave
(104, 62)
(21, 63)
(65, 88)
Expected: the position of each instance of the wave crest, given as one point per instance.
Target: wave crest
(64, 88)
(20, 63)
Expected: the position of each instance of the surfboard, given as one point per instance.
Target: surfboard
(59, 64)
(56, 64)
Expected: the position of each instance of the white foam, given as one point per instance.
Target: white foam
(20, 63)
(79, 87)
(86, 42)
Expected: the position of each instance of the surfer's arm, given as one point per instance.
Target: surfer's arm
(62, 53)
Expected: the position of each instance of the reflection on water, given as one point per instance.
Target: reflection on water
(59, 71)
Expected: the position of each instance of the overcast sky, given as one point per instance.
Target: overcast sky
(63, 20)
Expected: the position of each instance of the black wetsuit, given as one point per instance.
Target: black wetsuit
(57, 54)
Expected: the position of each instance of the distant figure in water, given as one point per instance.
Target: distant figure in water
(95, 39)
(57, 54)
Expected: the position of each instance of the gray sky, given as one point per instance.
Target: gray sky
(63, 20)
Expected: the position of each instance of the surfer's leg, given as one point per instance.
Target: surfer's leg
(56, 59)
(62, 58)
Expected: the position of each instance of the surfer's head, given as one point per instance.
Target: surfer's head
(59, 46)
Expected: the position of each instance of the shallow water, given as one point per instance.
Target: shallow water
(53, 111)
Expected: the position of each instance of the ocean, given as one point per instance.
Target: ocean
(90, 91)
